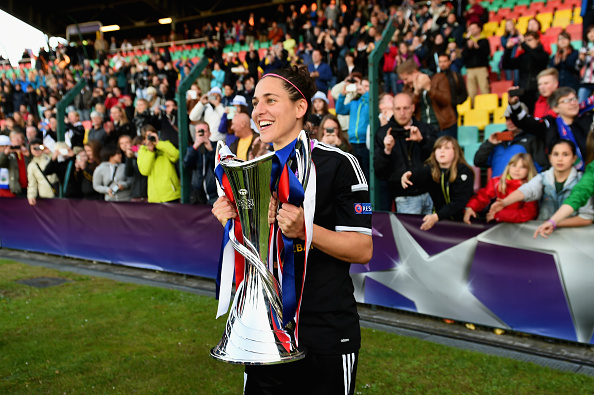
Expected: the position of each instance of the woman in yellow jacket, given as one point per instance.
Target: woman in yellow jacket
(156, 160)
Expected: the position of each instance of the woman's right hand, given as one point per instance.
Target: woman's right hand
(467, 214)
(223, 210)
(405, 180)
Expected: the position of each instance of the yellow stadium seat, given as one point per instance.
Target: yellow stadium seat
(462, 108)
(498, 115)
(561, 22)
(489, 28)
(567, 13)
(545, 19)
(476, 117)
(504, 97)
(486, 101)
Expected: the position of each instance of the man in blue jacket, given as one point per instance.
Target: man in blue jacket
(320, 71)
(358, 111)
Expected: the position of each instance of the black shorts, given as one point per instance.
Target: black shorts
(314, 374)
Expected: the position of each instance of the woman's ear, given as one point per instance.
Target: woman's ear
(301, 108)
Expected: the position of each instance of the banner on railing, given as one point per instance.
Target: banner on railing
(493, 275)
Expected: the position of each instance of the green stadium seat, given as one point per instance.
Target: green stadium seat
(469, 152)
(493, 128)
(468, 135)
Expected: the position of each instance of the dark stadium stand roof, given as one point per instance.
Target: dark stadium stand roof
(134, 17)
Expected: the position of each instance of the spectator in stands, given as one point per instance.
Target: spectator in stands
(118, 126)
(475, 13)
(156, 160)
(530, 62)
(552, 188)
(245, 135)
(218, 76)
(14, 159)
(511, 33)
(167, 121)
(319, 71)
(448, 179)
(138, 187)
(431, 97)
(548, 82)
(109, 177)
(40, 185)
(569, 124)
(358, 111)
(50, 132)
(62, 165)
(386, 107)
(565, 60)
(476, 54)
(75, 131)
(332, 134)
(275, 33)
(97, 132)
(211, 110)
(403, 144)
(200, 160)
(31, 133)
(498, 149)
(143, 116)
(517, 172)
(585, 62)
(319, 105)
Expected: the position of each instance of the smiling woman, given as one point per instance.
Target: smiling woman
(12, 45)
(326, 320)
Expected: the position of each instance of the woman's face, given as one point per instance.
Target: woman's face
(277, 117)
(330, 127)
(318, 105)
(562, 158)
(533, 26)
(445, 155)
(115, 114)
(438, 39)
(89, 152)
(562, 42)
(125, 143)
(518, 170)
(590, 35)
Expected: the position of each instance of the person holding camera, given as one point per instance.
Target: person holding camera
(402, 145)
(40, 185)
(109, 177)
(570, 123)
(500, 147)
(200, 159)
(332, 133)
(210, 109)
(358, 111)
(156, 160)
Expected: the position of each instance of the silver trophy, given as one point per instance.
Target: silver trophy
(253, 335)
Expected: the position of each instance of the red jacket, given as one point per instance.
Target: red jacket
(517, 212)
(542, 109)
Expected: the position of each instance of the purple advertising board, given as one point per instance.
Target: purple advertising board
(493, 275)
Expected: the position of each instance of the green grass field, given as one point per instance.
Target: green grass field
(97, 336)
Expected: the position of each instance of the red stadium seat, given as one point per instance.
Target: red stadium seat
(500, 87)
(575, 31)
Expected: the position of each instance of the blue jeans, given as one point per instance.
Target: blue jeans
(585, 91)
(420, 204)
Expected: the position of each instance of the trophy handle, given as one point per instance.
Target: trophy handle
(220, 145)
(303, 157)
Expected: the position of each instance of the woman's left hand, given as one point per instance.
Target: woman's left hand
(429, 221)
(291, 221)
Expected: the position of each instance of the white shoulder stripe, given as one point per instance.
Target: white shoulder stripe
(354, 162)
(358, 229)
(359, 187)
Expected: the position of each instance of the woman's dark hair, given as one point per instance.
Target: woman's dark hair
(568, 142)
(299, 76)
(96, 149)
(108, 151)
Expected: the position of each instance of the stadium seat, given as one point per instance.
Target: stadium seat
(468, 135)
(476, 117)
(462, 108)
(575, 31)
(501, 87)
(494, 43)
(469, 152)
(498, 115)
(486, 102)
(493, 128)
(545, 18)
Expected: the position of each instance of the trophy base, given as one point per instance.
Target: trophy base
(220, 355)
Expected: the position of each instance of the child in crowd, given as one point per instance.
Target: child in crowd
(519, 170)
(447, 177)
(551, 187)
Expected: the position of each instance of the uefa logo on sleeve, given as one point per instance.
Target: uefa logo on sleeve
(362, 208)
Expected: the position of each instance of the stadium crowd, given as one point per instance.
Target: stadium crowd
(122, 138)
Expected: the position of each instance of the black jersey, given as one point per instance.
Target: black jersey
(328, 318)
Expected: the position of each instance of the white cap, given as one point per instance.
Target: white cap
(239, 100)
(320, 95)
(4, 140)
(216, 90)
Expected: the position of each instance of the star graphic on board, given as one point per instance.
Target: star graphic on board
(438, 285)
(572, 250)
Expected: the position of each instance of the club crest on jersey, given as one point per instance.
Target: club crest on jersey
(362, 208)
